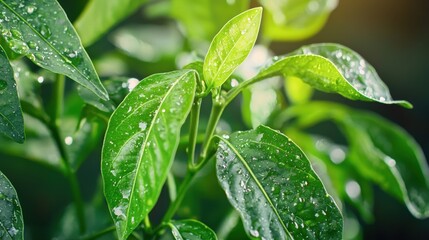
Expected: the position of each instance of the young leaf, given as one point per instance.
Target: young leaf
(11, 221)
(203, 18)
(100, 15)
(231, 46)
(295, 19)
(41, 31)
(191, 230)
(269, 180)
(333, 68)
(140, 143)
(11, 120)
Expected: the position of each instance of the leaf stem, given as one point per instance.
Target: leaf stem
(54, 126)
(193, 132)
(180, 195)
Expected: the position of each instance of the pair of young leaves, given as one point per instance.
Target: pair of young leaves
(143, 134)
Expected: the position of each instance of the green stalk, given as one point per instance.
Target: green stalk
(193, 132)
(54, 127)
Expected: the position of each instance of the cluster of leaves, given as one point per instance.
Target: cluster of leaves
(280, 190)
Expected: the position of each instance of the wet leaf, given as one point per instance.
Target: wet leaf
(230, 47)
(393, 159)
(295, 19)
(202, 19)
(269, 180)
(11, 120)
(41, 31)
(11, 221)
(191, 230)
(379, 150)
(140, 144)
(333, 68)
(101, 15)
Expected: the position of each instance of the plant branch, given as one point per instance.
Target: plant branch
(54, 126)
(193, 132)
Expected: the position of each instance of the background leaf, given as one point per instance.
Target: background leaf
(270, 182)
(191, 230)
(11, 221)
(101, 15)
(11, 120)
(333, 68)
(379, 150)
(231, 46)
(41, 31)
(202, 19)
(295, 19)
(140, 144)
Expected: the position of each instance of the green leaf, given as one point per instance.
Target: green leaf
(231, 46)
(295, 19)
(297, 91)
(101, 15)
(11, 221)
(140, 144)
(333, 68)
(380, 150)
(191, 230)
(202, 19)
(11, 120)
(394, 160)
(269, 180)
(41, 31)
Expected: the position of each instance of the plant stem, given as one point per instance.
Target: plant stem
(215, 114)
(54, 127)
(193, 132)
(180, 195)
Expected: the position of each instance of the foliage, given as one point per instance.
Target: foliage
(281, 180)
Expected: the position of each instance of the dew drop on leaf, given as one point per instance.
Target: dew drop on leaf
(18, 46)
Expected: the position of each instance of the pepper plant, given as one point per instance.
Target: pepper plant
(281, 180)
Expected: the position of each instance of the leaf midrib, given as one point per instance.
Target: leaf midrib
(258, 184)
(48, 43)
(144, 144)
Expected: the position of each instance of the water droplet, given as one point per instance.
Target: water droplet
(33, 45)
(132, 83)
(142, 126)
(390, 161)
(40, 79)
(68, 140)
(18, 46)
(45, 31)
(3, 84)
(119, 211)
(39, 56)
(31, 9)
(16, 34)
(254, 233)
(234, 82)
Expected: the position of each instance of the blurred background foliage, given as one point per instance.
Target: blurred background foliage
(392, 35)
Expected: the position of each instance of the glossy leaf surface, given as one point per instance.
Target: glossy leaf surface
(202, 19)
(101, 15)
(380, 150)
(295, 19)
(140, 144)
(41, 31)
(11, 120)
(11, 221)
(191, 230)
(269, 180)
(333, 68)
(231, 46)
